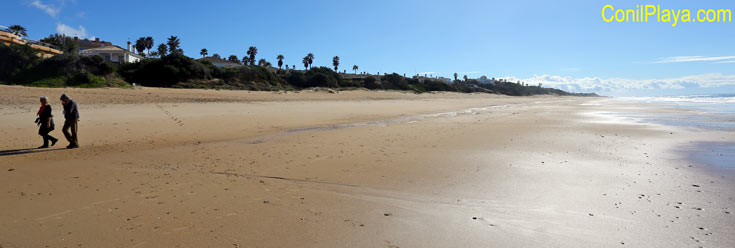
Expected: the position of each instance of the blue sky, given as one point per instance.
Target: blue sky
(565, 45)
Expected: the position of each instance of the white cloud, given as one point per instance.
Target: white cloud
(725, 62)
(681, 59)
(623, 85)
(80, 32)
(50, 9)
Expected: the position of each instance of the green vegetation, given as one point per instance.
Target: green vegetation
(335, 63)
(169, 67)
(173, 45)
(165, 72)
(280, 61)
(65, 43)
(15, 59)
(252, 51)
(18, 30)
(162, 49)
(19, 64)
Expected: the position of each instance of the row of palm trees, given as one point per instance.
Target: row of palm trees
(249, 59)
(173, 44)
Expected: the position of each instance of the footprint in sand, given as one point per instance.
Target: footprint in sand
(484, 220)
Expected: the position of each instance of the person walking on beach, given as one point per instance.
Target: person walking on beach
(45, 123)
(71, 114)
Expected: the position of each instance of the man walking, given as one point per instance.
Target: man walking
(71, 114)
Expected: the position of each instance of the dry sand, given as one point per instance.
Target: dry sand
(203, 168)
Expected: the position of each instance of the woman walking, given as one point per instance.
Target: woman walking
(45, 123)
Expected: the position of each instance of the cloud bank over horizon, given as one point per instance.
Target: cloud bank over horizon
(711, 82)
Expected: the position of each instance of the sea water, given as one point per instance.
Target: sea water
(709, 112)
(715, 111)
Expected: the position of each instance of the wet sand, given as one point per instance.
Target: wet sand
(196, 168)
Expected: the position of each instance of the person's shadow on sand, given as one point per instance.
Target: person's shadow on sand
(26, 151)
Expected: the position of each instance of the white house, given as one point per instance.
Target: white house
(113, 54)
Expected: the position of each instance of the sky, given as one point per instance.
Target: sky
(565, 45)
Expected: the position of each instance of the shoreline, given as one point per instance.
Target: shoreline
(420, 173)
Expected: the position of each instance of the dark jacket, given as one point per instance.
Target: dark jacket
(45, 116)
(70, 110)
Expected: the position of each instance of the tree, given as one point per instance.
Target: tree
(335, 63)
(245, 60)
(140, 45)
(18, 30)
(162, 49)
(149, 44)
(306, 62)
(280, 61)
(465, 77)
(65, 43)
(173, 44)
(354, 68)
(204, 52)
(252, 51)
(311, 58)
(264, 63)
(455, 76)
(216, 55)
(233, 59)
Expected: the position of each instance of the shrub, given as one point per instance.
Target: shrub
(167, 71)
(296, 78)
(321, 80)
(67, 70)
(394, 82)
(372, 83)
(15, 59)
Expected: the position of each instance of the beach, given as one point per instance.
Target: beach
(320, 168)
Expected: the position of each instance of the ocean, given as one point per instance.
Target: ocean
(709, 112)
(715, 111)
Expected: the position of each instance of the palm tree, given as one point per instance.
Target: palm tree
(148, 44)
(203, 52)
(252, 51)
(306, 62)
(280, 61)
(354, 68)
(455, 76)
(335, 62)
(245, 60)
(173, 44)
(233, 59)
(465, 78)
(311, 59)
(140, 45)
(162, 48)
(18, 30)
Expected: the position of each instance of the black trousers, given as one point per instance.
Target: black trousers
(43, 131)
